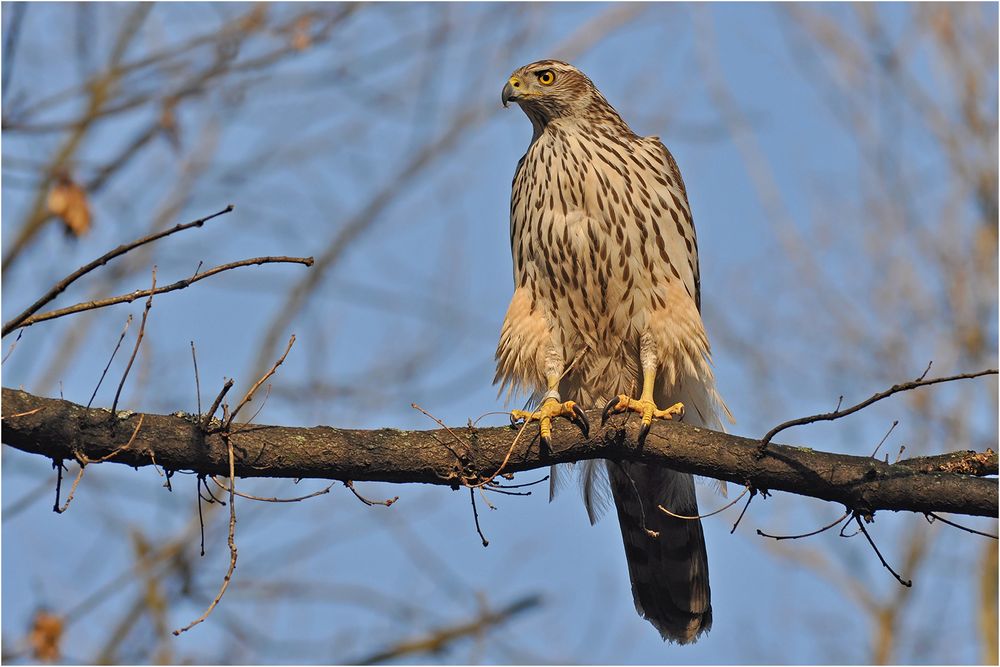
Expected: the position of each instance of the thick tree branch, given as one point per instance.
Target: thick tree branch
(60, 429)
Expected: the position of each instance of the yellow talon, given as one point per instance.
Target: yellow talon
(645, 407)
(550, 408)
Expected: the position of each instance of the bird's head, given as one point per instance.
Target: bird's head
(550, 89)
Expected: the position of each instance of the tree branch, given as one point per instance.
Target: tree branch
(138, 294)
(61, 286)
(61, 430)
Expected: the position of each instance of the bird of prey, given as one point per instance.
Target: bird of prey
(606, 305)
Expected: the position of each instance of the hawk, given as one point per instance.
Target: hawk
(606, 305)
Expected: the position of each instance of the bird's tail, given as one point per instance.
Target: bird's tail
(666, 556)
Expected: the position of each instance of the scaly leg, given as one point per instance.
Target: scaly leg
(552, 407)
(645, 404)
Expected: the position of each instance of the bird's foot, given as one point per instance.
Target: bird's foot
(549, 409)
(646, 408)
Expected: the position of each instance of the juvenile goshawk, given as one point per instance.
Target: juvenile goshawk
(607, 302)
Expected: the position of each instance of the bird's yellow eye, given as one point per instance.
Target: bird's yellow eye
(546, 77)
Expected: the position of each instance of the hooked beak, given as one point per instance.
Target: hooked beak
(509, 93)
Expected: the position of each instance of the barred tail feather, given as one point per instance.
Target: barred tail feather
(666, 556)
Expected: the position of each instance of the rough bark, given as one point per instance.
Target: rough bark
(58, 429)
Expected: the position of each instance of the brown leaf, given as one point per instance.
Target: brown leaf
(46, 633)
(68, 202)
(301, 39)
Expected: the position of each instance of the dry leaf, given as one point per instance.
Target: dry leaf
(301, 39)
(68, 202)
(46, 633)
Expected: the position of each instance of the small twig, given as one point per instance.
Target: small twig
(753, 492)
(482, 492)
(857, 518)
(197, 381)
(844, 528)
(895, 423)
(475, 516)
(23, 414)
(232, 541)
(61, 286)
(135, 350)
(211, 496)
(506, 458)
(72, 490)
(121, 338)
(267, 395)
(447, 428)
(931, 517)
(499, 489)
(640, 504)
(519, 486)
(249, 395)
(138, 294)
(58, 465)
(895, 389)
(809, 534)
(215, 404)
(83, 461)
(705, 516)
(387, 503)
(10, 349)
(248, 496)
(201, 517)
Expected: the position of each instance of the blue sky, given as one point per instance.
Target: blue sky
(430, 280)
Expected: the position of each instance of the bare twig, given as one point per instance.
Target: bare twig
(201, 516)
(249, 422)
(135, 350)
(138, 294)
(10, 349)
(13, 34)
(233, 553)
(367, 501)
(83, 461)
(475, 516)
(931, 517)
(440, 423)
(885, 437)
(895, 389)
(24, 414)
(58, 465)
(753, 493)
(215, 404)
(438, 639)
(121, 338)
(705, 516)
(61, 286)
(298, 499)
(809, 534)
(72, 490)
(249, 395)
(197, 381)
(904, 582)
